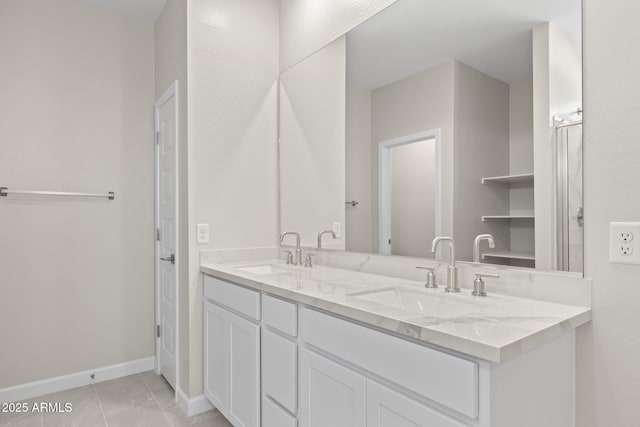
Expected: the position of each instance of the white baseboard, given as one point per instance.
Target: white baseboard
(193, 406)
(78, 379)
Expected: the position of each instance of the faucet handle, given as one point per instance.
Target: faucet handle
(307, 260)
(289, 257)
(478, 284)
(431, 277)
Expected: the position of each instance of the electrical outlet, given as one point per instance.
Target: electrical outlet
(624, 244)
(337, 228)
(202, 234)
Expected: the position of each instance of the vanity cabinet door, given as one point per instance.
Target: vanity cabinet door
(244, 372)
(232, 365)
(330, 394)
(216, 335)
(388, 408)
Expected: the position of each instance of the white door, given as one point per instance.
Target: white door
(331, 395)
(166, 223)
(388, 408)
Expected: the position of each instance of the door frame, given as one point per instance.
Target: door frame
(171, 92)
(384, 184)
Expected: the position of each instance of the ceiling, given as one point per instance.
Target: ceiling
(492, 36)
(144, 10)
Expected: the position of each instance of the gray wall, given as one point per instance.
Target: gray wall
(77, 275)
(419, 103)
(358, 237)
(481, 149)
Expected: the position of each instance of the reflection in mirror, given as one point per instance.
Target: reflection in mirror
(409, 176)
(438, 117)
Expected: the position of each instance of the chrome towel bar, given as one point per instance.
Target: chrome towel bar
(4, 192)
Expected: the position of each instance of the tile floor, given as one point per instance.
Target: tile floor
(139, 400)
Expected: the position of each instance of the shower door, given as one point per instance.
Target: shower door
(569, 204)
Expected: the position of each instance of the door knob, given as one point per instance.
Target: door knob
(171, 258)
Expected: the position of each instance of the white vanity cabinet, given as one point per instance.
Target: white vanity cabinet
(272, 362)
(330, 394)
(279, 362)
(232, 351)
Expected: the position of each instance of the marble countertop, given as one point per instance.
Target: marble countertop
(496, 328)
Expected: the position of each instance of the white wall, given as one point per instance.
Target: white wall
(521, 127)
(308, 25)
(608, 348)
(312, 145)
(357, 231)
(557, 89)
(77, 281)
(171, 65)
(232, 101)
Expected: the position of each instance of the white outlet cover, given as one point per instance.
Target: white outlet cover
(337, 228)
(624, 243)
(202, 234)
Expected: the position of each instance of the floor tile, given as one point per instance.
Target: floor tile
(28, 420)
(165, 397)
(86, 411)
(124, 393)
(8, 417)
(65, 396)
(215, 422)
(155, 382)
(179, 419)
(150, 416)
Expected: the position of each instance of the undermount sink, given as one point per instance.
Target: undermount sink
(427, 302)
(263, 269)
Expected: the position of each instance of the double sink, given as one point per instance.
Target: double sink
(433, 302)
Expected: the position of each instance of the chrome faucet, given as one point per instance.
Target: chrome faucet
(320, 234)
(476, 245)
(452, 270)
(298, 258)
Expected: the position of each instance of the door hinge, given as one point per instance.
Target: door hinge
(389, 241)
(158, 234)
(157, 331)
(158, 137)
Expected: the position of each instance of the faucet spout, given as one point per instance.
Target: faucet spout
(320, 234)
(476, 245)
(452, 248)
(298, 249)
(452, 270)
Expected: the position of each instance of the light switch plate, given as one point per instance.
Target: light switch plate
(624, 243)
(202, 234)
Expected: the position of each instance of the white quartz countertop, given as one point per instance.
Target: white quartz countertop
(496, 328)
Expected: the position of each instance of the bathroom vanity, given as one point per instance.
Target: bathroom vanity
(323, 346)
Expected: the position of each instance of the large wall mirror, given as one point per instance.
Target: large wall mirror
(441, 118)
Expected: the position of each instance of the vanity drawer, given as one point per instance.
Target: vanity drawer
(274, 416)
(279, 370)
(237, 298)
(280, 315)
(438, 376)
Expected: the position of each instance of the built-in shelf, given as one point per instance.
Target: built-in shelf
(486, 218)
(510, 255)
(509, 179)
